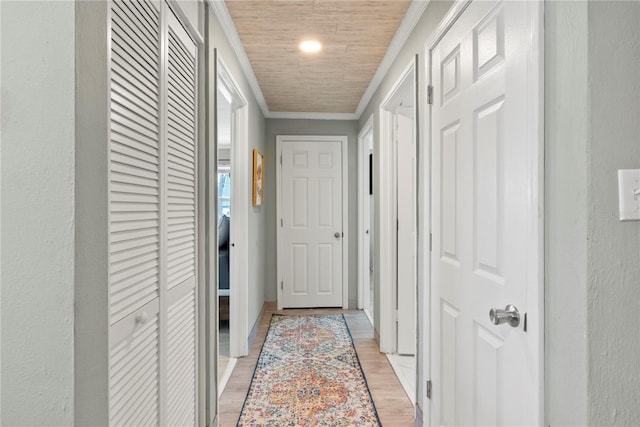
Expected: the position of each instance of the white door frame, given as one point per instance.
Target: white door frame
(239, 252)
(385, 157)
(363, 211)
(344, 142)
(535, 90)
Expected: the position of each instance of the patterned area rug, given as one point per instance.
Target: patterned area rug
(308, 374)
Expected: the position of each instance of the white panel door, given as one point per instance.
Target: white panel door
(485, 250)
(407, 232)
(311, 223)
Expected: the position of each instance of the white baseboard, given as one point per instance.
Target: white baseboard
(419, 417)
(255, 329)
(227, 375)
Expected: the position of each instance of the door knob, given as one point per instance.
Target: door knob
(336, 235)
(509, 315)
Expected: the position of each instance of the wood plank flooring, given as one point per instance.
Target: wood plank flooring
(393, 405)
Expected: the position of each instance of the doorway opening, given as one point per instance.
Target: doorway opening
(224, 119)
(231, 220)
(399, 309)
(366, 243)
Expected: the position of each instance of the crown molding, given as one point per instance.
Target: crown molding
(229, 29)
(312, 116)
(413, 15)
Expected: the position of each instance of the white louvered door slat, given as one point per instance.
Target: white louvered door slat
(152, 217)
(181, 225)
(134, 209)
(135, 188)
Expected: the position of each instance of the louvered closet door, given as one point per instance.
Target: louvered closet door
(181, 225)
(135, 210)
(152, 291)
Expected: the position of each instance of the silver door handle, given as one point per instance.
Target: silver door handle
(337, 235)
(509, 315)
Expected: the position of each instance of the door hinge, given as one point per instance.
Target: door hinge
(280, 158)
(429, 389)
(430, 242)
(430, 95)
(281, 286)
(396, 319)
(281, 222)
(397, 224)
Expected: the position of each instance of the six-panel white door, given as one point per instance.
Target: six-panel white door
(311, 234)
(485, 247)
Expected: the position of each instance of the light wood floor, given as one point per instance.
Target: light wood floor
(393, 405)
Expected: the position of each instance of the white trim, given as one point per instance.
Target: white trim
(312, 116)
(202, 314)
(409, 390)
(536, 331)
(386, 200)
(535, 271)
(414, 13)
(452, 16)
(239, 261)
(344, 140)
(191, 27)
(229, 28)
(363, 252)
(226, 376)
(424, 250)
(410, 20)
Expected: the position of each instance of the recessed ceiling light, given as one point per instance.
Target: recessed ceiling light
(310, 46)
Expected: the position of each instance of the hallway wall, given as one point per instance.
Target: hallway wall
(593, 259)
(613, 256)
(566, 150)
(37, 259)
(310, 127)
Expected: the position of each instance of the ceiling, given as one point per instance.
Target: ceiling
(356, 35)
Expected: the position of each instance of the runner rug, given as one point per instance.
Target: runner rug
(308, 374)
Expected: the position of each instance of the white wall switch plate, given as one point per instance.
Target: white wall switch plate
(629, 194)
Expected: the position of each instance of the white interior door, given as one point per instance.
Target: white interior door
(486, 245)
(311, 223)
(152, 217)
(407, 231)
(180, 299)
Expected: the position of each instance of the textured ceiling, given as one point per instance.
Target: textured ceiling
(355, 35)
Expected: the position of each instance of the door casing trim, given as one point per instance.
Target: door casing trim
(386, 205)
(239, 263)
(363, 251)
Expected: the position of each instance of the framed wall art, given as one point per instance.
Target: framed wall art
(258, 178)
